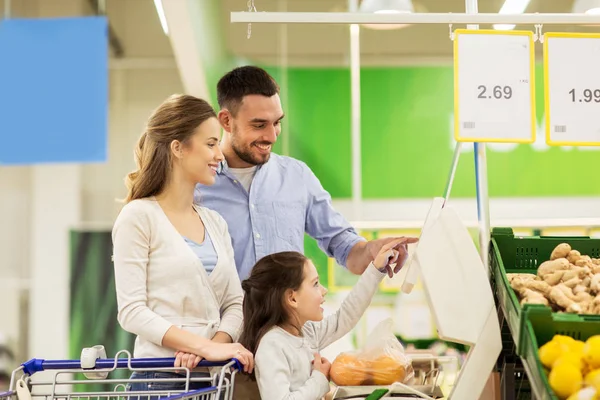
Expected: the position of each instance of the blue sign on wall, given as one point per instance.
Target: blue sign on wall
(53, 90)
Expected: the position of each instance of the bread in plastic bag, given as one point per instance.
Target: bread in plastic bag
(380, 362)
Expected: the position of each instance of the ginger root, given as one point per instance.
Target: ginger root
(595, 284)
(547, 267)
(560, 251)
(573, 256)
(559, 297)
(531, 291)
(539, 286)
(584, 261)
(532, 297)
(580, 288)
(571, 283)
(554, 278)
(576, 272)
(521, 277)
(594, 307)
(568, 282)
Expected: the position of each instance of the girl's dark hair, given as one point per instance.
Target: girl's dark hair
(264, 302)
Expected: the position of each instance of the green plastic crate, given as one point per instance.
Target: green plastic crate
(510, 254)
(540, 327)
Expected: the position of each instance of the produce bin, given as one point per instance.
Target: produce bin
(540, 326)
(516, 254)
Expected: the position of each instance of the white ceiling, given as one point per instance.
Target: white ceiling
(327, 45)
(136, 24)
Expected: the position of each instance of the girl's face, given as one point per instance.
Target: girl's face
(307, 300)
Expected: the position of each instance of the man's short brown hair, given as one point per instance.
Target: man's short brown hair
(241, 82)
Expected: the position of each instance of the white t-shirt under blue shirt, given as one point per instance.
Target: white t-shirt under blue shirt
(205, 252)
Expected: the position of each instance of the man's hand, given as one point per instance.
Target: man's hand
(400, 245)
(365, 252)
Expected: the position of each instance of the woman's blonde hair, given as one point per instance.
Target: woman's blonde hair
(175, 119)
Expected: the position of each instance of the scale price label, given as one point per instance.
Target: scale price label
(572, 89)
(494, 86)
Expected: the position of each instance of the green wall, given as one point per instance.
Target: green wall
(407, 138)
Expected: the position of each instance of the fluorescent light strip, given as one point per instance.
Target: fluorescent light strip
(511, 7)
(161, 16)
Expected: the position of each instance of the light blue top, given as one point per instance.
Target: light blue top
(205, 252)
(286, 200)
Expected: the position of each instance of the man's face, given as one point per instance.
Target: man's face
(255, 128)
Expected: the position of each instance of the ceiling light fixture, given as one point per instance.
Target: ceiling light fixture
(586, 7)
(386, 7)
(161, 16)
(511, 7)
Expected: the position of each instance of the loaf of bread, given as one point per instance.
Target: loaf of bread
(354, 369)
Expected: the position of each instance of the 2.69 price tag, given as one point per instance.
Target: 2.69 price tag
(499, 92)
(572, 89)
(494, 86)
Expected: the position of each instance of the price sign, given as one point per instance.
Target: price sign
(572, 89)
(494, 86)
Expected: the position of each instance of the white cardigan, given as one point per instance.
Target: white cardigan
(161, 282)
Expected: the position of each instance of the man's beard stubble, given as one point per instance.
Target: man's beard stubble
(245, 153)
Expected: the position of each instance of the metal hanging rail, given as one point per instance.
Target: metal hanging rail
(412, 18)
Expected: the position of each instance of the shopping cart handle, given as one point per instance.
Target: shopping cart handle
(36, 365)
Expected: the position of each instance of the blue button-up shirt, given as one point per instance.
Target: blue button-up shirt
(286, 200)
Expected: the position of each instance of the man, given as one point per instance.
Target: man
(270, 201)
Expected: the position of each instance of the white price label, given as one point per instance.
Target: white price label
(494, 86)
(572, 89)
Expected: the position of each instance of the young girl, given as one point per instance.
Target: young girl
(284, 325)
(176, 281)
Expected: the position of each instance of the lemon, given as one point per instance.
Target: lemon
(565, 379)
(575, 359)
(550, 352)
(577, 346)
(563, 339)
(591, 351)
(584, 394)
(593, 379)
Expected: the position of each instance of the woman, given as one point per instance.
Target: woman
(177, 286)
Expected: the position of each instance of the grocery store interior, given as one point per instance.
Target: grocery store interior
(370, 108)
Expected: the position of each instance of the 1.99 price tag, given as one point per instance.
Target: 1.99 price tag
(494, 86)
(572, 89)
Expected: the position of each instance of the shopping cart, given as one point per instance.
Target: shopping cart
(66, 380)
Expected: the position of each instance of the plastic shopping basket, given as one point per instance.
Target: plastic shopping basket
(66, 380)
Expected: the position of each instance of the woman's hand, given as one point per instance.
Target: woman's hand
(187, 360)
(217, 352)
(225, 351)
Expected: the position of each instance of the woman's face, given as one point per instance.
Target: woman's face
(202, 155)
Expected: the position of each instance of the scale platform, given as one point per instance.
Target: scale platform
(361, 392)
